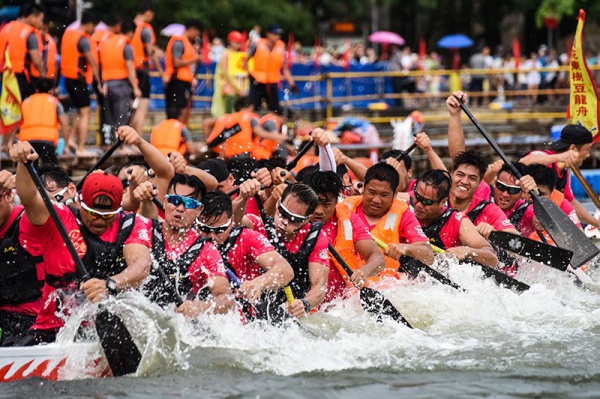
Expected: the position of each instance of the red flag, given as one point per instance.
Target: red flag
(516, 51)
(346, 55)
(316, 52)
(422, 53)
(245, 42)
(290, 48)
(205, 49)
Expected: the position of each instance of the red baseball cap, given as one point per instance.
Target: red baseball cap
(235, 36)
(97, 184)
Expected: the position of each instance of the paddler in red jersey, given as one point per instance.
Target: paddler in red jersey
(445, 227)
(114, 245)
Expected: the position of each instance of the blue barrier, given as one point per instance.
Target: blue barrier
(593, 178)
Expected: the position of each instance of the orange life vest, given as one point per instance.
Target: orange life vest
(344, 243)
(556, 197)
(114, 66)
(73, 64)
(49, 46)
(386, 229)
(40, 121)
(241, 142)
(17, 47)
(167, 137)
(263, 148)
(268, 63)
(5, 35)
(307, 160)
(223, 122)
(98, 37)
(140, 58)
(183, 73)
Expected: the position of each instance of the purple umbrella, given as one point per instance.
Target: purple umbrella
(173, 30)
(383, 36)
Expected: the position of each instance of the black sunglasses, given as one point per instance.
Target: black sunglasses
(213, 229)
(293, 218)
(423, 200)
(512, 190)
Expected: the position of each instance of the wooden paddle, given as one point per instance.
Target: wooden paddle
(562, 230)
(415, 266)
(501, 278)
(586, 186)
(372, 300)
(100, 162)
(120, 350)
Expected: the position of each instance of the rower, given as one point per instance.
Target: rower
(22, 268)
(572, 148)
(58, 184)
(508, 193)
(246, 253)
(114, 245)
(346, 232)
(191, 262)
(390, 219)
(300, 242)
(445, 227)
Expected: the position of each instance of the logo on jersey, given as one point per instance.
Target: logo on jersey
(324, 254)
(78, 242)
(506, 222)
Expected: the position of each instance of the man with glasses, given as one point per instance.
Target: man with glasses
(446, 227)
(301, 243)
(246, 253)
(346, 232)
(193, 264)
(114, 246)
(58, 184)
(390, 219)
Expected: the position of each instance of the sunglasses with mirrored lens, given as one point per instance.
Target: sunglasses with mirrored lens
(188, 203)
(291, 217)
(100, 215)
(423, 200)
(125, 183)
(213, 229)
(512, 190)
(59, 196)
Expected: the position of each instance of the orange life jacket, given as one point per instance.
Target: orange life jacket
(223, 122)
(40, 120)
(98, 37)
(17, 47)
(73, 64)
(5, 35)
(386, 229)
(241, 142)
(556, 197)
(49, 46)
(114, 66)
(344, 243)
(268, 63)
(167, 137)
(140, 58)
(183, 73)
(307, 160)
(263, 148)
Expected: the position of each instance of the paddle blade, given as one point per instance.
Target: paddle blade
(502, 279)
(563, 231)
(548, 255)
(121, 352)
(414, 266)
(378, 306)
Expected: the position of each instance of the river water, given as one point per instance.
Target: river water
(486, 342)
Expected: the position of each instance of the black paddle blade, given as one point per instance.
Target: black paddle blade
(121, 352)
(414, 266)
(377, 305)
(563, 231)
(548, 255)
(501, 278)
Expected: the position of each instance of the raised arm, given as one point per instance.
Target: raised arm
(456, 135)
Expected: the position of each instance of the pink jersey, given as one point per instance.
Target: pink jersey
(242, 256)
(491, 214)
(450, 231)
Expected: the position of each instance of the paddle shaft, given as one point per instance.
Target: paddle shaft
(405, 153)
(81, 269)
(589, 191)
(100, 162)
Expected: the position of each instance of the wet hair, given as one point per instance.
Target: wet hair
(31, 9)
(143, 164)
(271, 163)
(144, 6)
(240, 169)
(114, 19)
(89, 17)
(543, 175)
(471, 158)
(188, 180)
(438, 179)
(521, 167)
(215, 204)
(193, 23)
(51, 172)
(243, 102)
(383, 172)
(325, 183)
(395, 154)
(341, 170)
(304, 194)
(44, 85)
(128, 26)
(305, 173)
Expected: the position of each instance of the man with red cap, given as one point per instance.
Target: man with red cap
(228, 86)
(114, 245)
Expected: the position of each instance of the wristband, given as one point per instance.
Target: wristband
(306, 305)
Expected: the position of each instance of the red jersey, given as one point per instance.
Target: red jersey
(491, 214)
(57, 259)
(449, 233)
(242, 256)
(207, 264)
(35, 249)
